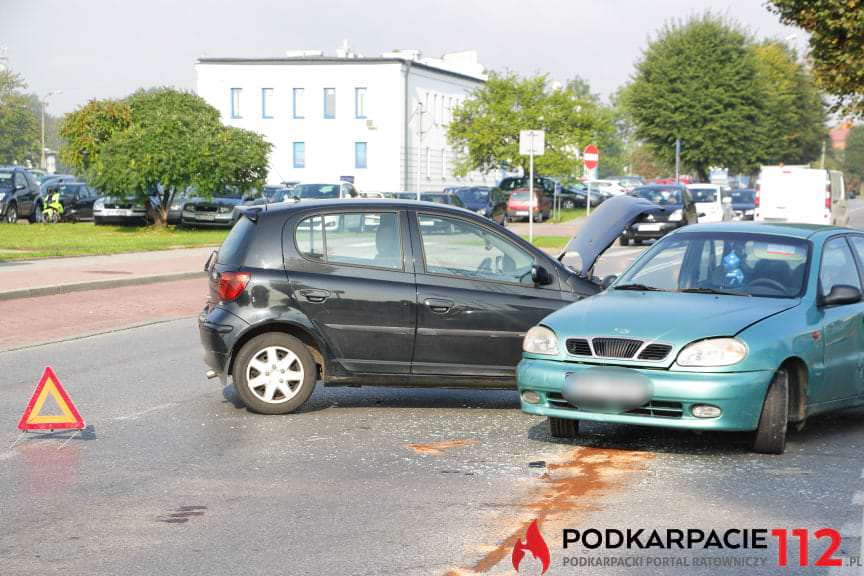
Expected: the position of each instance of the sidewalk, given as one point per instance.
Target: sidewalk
(28, 278)
(547, 228)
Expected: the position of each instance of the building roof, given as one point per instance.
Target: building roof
(334, 60)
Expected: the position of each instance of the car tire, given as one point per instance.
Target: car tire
(36, 216)
(624, 241)
(770, 436)
(295, 357)
(637, 241)
(97, 221)
(568, 204)
(563, 427)
(11, 215)
(539, 218)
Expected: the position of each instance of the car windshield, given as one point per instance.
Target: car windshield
(316, 191)
(513, 183)
(519, 196)
(473, 195)
(5, 179)
(704, 194)
(274, 193)
(660, 196)
(742, 196)
(69, 189)
(740, 264)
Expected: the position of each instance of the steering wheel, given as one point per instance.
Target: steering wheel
(768, 283)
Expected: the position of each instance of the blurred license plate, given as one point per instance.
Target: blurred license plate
(117, 212)
(207, 217)
(522, 213)
(649, 227)
(609, 389)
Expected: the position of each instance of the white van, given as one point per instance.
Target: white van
(709, 203)
(801, 194)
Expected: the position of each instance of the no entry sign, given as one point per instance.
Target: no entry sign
(591, 157)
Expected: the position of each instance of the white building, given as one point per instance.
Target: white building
(382, 120)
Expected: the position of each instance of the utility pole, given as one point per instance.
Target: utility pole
(822, 161)
(677, 160)
(44, 102)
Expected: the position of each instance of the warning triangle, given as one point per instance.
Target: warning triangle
(49, 386)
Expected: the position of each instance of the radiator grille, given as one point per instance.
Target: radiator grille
(616, 347)
(655, 352)
(578, 347)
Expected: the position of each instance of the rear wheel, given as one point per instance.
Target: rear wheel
(624, 241)
(274, 373)
(36, 215)
(770, 437)
(563, 427)
(539, 217)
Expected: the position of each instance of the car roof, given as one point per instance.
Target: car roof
(359, 203)
(793, 230)
(702, 186)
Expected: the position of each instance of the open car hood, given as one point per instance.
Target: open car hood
(601, 229)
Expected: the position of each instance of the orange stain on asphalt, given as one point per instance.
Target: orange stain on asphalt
(571, 486)
(437, 448)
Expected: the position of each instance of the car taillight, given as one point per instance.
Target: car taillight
(758, 193)
(827, 196)
(232, 284)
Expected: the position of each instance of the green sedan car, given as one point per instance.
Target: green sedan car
(737, 326)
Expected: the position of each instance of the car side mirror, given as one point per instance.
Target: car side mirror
(540, 276)
(608, 280)
(19, 187)
(841, 294)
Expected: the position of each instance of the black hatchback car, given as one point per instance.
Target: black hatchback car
(679, 210)
(383, 292)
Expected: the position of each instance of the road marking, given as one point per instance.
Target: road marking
(136, 415)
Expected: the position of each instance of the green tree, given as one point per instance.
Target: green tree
(19, 127)
(853, 158)
(487, 125)
(836, 29)
(791, 127)
(166, 140)
(697, 81)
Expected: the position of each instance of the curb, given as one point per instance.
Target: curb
(97, 285)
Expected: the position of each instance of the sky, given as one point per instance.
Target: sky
(109, 48)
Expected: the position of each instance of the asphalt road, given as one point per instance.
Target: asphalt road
(173, 477)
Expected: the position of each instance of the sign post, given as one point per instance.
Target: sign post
(531, 143)
(590, 159)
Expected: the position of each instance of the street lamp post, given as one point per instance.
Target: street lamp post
(44, 102)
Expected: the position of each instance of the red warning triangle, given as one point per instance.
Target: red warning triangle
(50, 385)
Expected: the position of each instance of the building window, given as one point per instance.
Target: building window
(298, 103)
(360, 154)
(299, 154)
(428, 162)
(360, 102)
(266, 103)
(329, 103)
(235, 102)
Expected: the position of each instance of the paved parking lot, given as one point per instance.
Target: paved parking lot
(172, 476)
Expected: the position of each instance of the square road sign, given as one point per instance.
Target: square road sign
(532, 142)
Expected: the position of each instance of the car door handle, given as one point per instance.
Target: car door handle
(315, 296)
(438, 306)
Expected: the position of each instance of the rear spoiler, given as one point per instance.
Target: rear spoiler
(251, 212)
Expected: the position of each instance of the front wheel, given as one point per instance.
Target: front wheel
(563, 427)
(11, 216)
(274, 373)
(770, 437)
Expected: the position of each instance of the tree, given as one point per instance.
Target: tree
(853, 158)
(836, 29)
(698, 82)
(791, 127)
(162, 140)
(19, 127)
(487, 125)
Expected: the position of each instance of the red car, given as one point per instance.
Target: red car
(518, 205)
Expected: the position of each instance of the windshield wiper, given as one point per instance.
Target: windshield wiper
(638, 287)
(714, 291)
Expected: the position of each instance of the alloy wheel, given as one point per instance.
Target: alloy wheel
(274, 375)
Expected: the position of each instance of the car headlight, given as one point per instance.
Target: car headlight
(225, 209)
(713, 352)
(176, 206)
(540, 340)
(676, 216)
(481, 211)
(99, 204)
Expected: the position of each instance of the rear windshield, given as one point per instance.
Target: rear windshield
(704, 194)
(742, 196)
(316, 191)
(519, 196)
(661, 196)
(473, 195)
(233, 249)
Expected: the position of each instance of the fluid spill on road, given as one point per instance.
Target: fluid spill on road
(437, 448)
(568, 488)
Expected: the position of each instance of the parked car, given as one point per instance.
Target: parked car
(773, 336)
(330, 190)
(396, 292)
(569, 196)
(447, 198)
(486, 201)
(54, 179)
(678, 210)
(628, 183)
(743, 203)
(218, 211)
(710, 204)
(175, 209)
(38, 175)
(77, 199)
(801, 194)
(520, 206)
(277, 193)
(129, 209)
(607, 187)
(20, 196)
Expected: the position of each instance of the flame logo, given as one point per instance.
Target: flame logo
(535, 544)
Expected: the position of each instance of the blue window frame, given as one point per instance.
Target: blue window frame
(235, 102)
(329, 103)
(360, 102)
(299, 154)
(298, 103)
(360, 154)
(266, 102)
